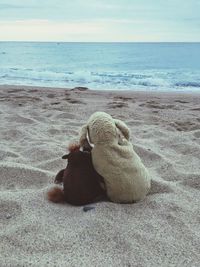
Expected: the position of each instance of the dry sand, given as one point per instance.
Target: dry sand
(163, 230)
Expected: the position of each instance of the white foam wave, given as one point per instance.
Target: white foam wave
(153, 80)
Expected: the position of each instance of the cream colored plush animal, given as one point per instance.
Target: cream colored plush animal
(126, 178)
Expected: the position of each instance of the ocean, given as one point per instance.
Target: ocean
(119, 66)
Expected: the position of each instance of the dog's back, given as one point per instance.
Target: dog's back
(81, 183)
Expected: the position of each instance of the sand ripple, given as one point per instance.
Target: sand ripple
(18, 176)
(162, 230)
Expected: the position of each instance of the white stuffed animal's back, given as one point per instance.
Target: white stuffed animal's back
(113, 157)
(126, 177)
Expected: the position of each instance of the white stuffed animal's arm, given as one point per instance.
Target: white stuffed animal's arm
(123, 128)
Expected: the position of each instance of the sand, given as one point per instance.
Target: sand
(36, 125)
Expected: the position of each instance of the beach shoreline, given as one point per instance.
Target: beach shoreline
(84, 88)
(36, 125)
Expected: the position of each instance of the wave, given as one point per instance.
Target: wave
(152, 80)
(188, 84)
(121, 75)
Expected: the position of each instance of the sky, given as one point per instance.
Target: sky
(100, 20)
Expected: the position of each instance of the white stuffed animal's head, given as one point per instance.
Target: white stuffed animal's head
(102, 128)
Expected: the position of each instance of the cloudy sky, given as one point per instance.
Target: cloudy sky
(100, 20)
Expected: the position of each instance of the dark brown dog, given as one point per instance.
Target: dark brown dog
(81, 183)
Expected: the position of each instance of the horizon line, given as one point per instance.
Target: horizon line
(37, 41)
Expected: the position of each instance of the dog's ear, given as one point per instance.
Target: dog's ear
(83, 135)
(123, 128)
(65, 156)
(59, 177)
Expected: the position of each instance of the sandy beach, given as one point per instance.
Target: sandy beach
(36, 125)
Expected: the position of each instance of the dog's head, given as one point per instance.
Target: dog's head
(75, 156)
(102, 128)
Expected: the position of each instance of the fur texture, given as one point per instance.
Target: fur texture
(81, 183)
(126, 178)
(56, 195)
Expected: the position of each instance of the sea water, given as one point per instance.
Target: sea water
(121, 66)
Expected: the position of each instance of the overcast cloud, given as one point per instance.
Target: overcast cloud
(100, 20)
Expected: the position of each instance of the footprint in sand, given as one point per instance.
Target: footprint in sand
(117, 104)
(149, 157)
(158, 187)
(20, 119)
(9, 210)
(80, 88)
(33, 91)
(51, 95)
(73, 101)
(25, 99)
(17, 176)
(55, 103)
(181, 101)
(15, 91)
(185, 126)
(134, 122)
(193, 181)
(123, 98)
(157, 105)
(196, 109)
(65, 115)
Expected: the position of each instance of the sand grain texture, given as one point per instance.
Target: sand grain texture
(163, 230)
